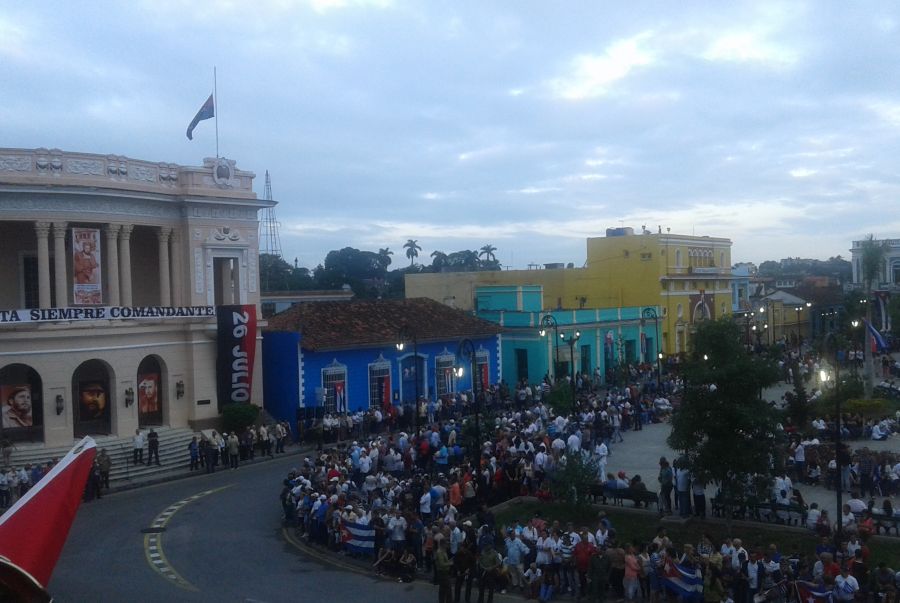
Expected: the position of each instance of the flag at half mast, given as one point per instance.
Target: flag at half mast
(207, 111)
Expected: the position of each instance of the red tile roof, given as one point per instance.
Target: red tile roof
(364, 323)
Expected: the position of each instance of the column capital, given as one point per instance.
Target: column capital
(42, 229)
(126, 231)
(112, 230)
(59, 229)
(164, 233)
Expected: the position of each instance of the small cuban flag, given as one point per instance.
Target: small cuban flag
(878, 342)
(207, 111)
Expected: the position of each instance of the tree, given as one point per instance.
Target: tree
(871, 263)
(572, 479)
(488, 253)
(463, 261)
(438, 261)
(384, 256)
(274, 272)
(412, 250)
(725, 429)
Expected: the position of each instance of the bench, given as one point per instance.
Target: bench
(882, 522)
(619, 495)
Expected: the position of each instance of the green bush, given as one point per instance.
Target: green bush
(238, 416)
(561, 399)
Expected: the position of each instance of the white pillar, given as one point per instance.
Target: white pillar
(112, 262)
(125, 263)
(227, 283)
(59, 264)
(176, 259)
(165, 283)
(42, 231)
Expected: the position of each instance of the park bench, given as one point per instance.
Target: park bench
(619, 495)
(883, 522)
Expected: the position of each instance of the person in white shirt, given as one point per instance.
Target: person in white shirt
(812, 516)
(845, 586)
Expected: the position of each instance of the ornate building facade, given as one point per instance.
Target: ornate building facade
(112, 270)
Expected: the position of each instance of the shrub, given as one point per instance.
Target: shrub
(238, 416)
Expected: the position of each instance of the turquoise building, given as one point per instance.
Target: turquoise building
(536, 342)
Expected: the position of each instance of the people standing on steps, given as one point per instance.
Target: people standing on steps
(152, 447)
(105, 463)
(138, 443)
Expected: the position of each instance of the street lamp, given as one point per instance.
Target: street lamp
(572, 339)
(403, 335)
(832, 345)
(855, 324)
(548, 320)
(798, 309)
(467, 351)
(652, 313)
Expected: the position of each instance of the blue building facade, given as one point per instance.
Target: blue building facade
(301, 370)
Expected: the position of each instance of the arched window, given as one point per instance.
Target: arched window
(21, 394)
(678, 258)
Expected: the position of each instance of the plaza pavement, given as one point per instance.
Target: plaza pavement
(639, 455)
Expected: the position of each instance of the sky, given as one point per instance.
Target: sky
(527, 125)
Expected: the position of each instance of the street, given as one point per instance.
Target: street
(225, 546)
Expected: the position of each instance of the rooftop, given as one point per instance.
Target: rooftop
(369, 323)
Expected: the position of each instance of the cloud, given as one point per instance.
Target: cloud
(592, 75)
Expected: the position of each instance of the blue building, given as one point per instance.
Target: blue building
(343, 356)
(573, 341)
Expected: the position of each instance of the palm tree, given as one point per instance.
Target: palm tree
(488, 252)
(871, 263)
(438, 261)
(384, 257)
(412, 250)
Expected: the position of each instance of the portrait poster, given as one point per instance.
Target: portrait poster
(148, 393)
(17, 406)
(86, 283)
(93, 402)
(702, 307)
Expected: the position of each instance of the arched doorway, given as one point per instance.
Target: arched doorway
(93, 398)
(150, 392)
(21, 396)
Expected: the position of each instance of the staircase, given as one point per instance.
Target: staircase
(173, 455)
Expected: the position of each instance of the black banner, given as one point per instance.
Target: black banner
(237, 347)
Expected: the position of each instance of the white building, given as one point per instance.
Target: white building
(887, 282)
(112, 270)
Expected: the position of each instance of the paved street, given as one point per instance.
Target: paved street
(227, 545)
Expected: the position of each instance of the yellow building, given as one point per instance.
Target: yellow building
(688, 277)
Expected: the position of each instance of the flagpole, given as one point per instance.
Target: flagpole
(216, 108)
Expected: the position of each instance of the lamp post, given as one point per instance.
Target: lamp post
(548, 320)
(403, 335)
(466, 350)
(832, 345)
(572, 339)
(855, 324)
(798, 309)
(652, 313)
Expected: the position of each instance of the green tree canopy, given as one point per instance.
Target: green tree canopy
(723, 427)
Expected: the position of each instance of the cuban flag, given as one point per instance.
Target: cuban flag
(810, 592)
(358, 538)
(207, 111)
(340, 397)
(683, 582)
(878, 342)
(34, 530)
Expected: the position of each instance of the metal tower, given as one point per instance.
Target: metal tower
(271, 242)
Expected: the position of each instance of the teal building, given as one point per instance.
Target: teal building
(538, 342)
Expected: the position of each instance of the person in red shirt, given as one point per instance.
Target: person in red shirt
(583, 552)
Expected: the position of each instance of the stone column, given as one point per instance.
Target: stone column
(226, 282)
(59, 264)
(42, 231)
(125, 263)
(177, 259)
(112, 262)
(165, 283)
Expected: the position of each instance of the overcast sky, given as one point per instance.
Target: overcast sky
(527, 125)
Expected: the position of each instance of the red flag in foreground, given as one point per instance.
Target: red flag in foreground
(34, 530)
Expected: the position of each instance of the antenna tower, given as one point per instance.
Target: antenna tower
(271, 242)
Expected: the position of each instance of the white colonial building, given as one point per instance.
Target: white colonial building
(111, 271)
